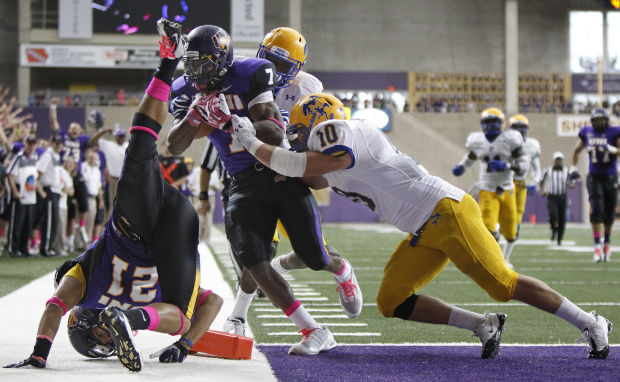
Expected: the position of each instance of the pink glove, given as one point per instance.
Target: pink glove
(210, 109)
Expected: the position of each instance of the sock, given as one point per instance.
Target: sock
(242, 304)
(345, 272)
(510, 245)
(82, 223)
(597, 237)
(300, 317)
(607, 237)
(574, 315)
(166, 69)
(141, 318)
(464, 319)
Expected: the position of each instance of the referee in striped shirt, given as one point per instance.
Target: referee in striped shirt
(553, 185)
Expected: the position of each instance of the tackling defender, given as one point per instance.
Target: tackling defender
(444, 224)
(601, 141)
(502, 153)
(143, 272)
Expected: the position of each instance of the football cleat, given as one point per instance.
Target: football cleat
(275, 264)
(490, 334)
(597, 253)
(606, 252)
(172, 41)
(350, 295)
(314, 341)
(596, 336)
(118, 325)
(234, 325)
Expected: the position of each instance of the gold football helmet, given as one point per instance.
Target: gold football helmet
(492, 121)
(309, 112)
(287, 50)
(520, 123)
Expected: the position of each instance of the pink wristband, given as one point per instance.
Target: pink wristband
(158, 89)
(277, 123)
(146, 130)
(59, 303)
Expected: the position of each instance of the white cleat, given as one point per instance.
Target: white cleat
(606, 253)
(315, 341)
(596, 336)
(172, 41)
(234, 325)
(275, 264)
(598, 252)
(490, 334)
(350, 295)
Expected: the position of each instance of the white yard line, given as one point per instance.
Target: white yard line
(22, 309)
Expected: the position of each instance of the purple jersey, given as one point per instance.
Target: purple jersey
(601, 161)
(73, 147)
(119, 272)
(246, 79)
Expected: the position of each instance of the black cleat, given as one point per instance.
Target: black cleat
(490, 334)
(115, 321)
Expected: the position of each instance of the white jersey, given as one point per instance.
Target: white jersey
(389, 182)
(500, 149)
(303, 85)
(531, 149)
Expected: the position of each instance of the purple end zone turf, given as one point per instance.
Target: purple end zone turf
(444, 363)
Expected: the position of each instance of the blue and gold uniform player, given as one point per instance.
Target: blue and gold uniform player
(143, 271)
(500, 154)
(601, 142)
(257, 197)
(443, 223)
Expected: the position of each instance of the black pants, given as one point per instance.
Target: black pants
(49, 220)
(257, 198)
(23, 217)
(603, 195)
(556, 206)
(150, 210)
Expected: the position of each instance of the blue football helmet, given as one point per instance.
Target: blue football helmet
(80, 324)
(208, 56)
(600, 120)
(492, 121)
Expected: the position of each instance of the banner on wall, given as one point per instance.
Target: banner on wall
(89, 56)
(247, 20)
(75, 19)
(569, 125)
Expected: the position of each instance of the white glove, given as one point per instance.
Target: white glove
(612, 149)
(243, 130)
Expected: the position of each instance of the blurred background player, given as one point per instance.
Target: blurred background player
(444, 223)
(500, 154)
(525, 182)
(146, 262)
(601, 142)
(553, 185)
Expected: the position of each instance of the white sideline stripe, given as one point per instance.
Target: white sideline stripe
(464, 304)
(308, 309)
(304, 298)
(334, 334)
(323, 323)
(282, 316)
(298, 294)
(19, 320)
(447, 344)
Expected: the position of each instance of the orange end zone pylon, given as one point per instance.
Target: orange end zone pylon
(225, 345)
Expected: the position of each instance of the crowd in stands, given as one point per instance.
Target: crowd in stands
(57, 191)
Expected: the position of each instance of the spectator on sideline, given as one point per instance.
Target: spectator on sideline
(50, 186)
(92, 178)
(553, 185)
(66, 181)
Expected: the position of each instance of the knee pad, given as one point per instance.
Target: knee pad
(403, 311)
